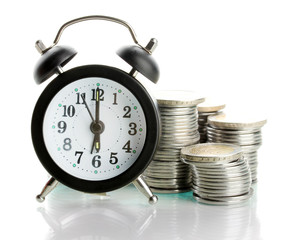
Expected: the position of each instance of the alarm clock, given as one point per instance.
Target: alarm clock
(95, 128)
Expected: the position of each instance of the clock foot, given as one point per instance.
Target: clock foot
(49, 186)
(142, 186)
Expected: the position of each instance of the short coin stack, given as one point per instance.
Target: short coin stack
(220, 176)
(239, 130)
(206, 109)
(178, 113)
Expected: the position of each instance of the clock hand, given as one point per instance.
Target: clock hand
(94, 125)
(83, 98)
(97, 105)
(97, 126)
(96, 143)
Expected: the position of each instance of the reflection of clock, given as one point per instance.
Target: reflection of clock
(95, 128)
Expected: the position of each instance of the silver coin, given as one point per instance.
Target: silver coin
(238, 122)
(220, 189)
(225, 175)
(178, 98)
(161, 190)
(165, 181)
(169, 186)
(213, 165)
(166, 175)
(156, 163)
(248, 136)
(233, 132)
(220, 194)
(232, 180)
(231, 198)
(211, 152)
(166, 159)
(210, 105)
(177, 112)
(168, 169)
(237, 140)
(224, 201)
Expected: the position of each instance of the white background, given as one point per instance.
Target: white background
(241, 51)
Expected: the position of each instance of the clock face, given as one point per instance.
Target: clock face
(70, 138)
(95, 128)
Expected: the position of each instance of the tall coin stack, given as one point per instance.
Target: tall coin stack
(178, 113)
(239, 130)
(206, 109)
(220, 175)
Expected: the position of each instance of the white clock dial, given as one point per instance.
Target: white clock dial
(68, 136)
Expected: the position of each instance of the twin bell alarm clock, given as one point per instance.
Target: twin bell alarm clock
(95, 128)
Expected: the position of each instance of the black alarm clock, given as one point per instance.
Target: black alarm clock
(95, 128)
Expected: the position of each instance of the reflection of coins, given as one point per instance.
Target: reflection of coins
(220, 175)
(246, 134)
(179, 128)
(206, 109)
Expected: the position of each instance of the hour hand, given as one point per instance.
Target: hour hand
(96, 143)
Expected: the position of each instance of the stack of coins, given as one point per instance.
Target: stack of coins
(206, 109)
(178, 113)
(220, 175)
(244, 132)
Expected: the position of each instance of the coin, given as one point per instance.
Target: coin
(211, 152)
(238, 122)
(210, 105)
(224, 201)
(176, 98)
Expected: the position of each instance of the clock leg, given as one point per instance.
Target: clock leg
(142, 186)
(49, 186)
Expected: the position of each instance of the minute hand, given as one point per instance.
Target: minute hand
(97, 120)
(97, 141)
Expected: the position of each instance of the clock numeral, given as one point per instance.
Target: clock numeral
(101, 94)
(115, 99)
(80, 96)
(127, 109)
(127, 147)
(96, 162)
(67, 144)
(62, 126)
(133, 130)
(79, 156)
(113, 159)
(69, 111)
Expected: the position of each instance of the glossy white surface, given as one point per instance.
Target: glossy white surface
(125, 214)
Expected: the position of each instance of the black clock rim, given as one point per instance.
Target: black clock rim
(152, 134)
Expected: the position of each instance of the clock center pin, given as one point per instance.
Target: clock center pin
(97, 128)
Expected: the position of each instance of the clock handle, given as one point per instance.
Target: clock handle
(92, 17)
(49, 186)
(142, 186)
